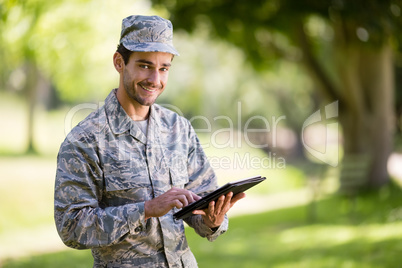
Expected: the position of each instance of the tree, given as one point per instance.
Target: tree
(58, 45)
(348, 48)
(26, 59)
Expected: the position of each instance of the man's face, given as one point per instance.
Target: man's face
(145, 76)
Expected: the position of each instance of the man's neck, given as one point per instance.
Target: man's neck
(134, 110)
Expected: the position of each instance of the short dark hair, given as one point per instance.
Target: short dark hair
(124, 52)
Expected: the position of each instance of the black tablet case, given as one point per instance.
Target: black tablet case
(235, 187)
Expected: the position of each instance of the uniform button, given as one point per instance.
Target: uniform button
(138, 229)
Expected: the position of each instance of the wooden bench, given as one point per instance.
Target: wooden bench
(354, 173)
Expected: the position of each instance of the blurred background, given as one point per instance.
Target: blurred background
(306, 93)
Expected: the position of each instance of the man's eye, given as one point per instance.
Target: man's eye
(144, 66)
(164, 69)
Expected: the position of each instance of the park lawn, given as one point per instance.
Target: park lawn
(368, 234)
(369, 237)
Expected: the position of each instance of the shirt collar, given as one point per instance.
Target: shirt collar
(158, 116)
(118, 119)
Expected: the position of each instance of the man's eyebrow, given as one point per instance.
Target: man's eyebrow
(151, 63)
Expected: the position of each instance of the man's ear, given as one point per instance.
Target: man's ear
(118, 62)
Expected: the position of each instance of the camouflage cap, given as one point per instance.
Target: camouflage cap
(147, 34)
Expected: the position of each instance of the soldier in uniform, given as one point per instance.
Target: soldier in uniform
(130, 165)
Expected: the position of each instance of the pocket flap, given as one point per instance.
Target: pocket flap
(179, 179)
(122, 176)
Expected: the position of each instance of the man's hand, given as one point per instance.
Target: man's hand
(175, 197)
(215, 213)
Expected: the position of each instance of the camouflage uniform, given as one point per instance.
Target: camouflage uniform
(107, 168)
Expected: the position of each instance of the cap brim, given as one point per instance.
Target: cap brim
(151, 47)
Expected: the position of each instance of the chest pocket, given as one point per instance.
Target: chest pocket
(178, 171)
(126, 181)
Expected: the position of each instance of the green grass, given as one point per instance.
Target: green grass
(368, 237)
(27, 196)
(63, 259)
(368, 234)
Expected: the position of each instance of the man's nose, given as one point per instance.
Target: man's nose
(154, 77)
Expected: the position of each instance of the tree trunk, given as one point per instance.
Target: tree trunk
(366, 115)
(31, 95)
(364, 88)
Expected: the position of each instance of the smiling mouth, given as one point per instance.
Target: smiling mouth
(147, 89)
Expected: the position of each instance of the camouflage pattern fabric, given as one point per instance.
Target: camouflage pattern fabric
(107, 168)
(147, 34)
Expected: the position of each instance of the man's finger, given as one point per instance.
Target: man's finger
(228, 198)
(236, 198)
(220, 203)
(199, 212)
(177, 203)
(195, 197)
(211, 207)
(192, 197)
(189, 197)
(183, 199)
(185, 196)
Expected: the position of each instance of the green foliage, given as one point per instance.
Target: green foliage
(254, 26)
(70, 42)
(214, 78)
(344, 48)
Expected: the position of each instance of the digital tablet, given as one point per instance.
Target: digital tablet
(235, 187)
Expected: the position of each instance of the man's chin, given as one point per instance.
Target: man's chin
(144, 102)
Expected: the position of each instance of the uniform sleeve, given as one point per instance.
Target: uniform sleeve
(202, 180)
(81, 220)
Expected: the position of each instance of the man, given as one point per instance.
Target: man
(129, 166)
